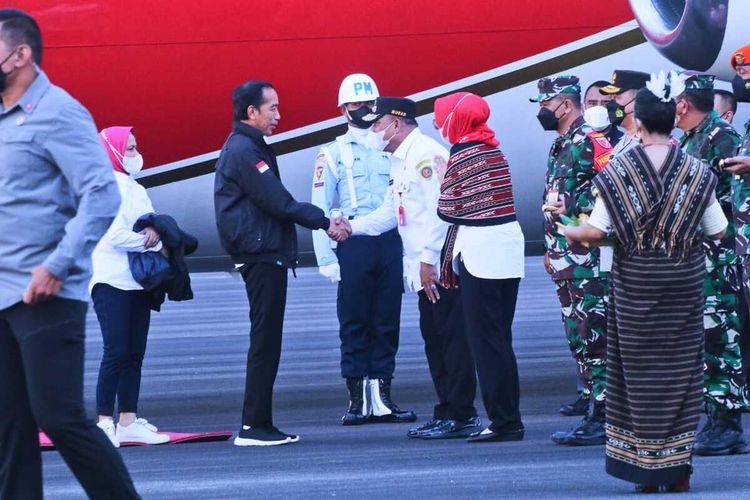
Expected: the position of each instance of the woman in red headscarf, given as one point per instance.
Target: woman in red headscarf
(485, 250)
(122, 306)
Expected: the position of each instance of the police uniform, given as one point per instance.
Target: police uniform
(370, 289)
(724, 389)
(411, 206)
(574, 160)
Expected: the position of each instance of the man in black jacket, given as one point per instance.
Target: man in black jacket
(255, 216)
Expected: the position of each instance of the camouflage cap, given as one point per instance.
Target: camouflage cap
(551, 87)
(698, 81)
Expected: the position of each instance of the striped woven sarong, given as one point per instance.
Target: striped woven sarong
(654, 365)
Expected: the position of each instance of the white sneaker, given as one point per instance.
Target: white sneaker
(140, 432)
(108, 426)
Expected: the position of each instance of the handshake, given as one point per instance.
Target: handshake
(339, 230)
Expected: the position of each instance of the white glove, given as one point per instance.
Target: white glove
(331, 271)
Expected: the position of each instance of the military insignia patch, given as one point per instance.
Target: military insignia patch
(318, 171)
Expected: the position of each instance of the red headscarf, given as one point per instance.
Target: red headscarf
(115, 140)
(462, 117)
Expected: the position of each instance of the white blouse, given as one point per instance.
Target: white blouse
(490, 252)
(713, 220)
(110, 257)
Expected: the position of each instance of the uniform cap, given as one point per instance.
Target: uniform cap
(395, 106)
(741, 57)
(554, 86)
(623, 80)
(698, 81)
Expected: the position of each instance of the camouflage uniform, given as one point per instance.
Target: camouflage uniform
(741, 213)
(712, 140)
(582, 291)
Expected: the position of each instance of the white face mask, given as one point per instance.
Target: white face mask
(597, 117)
(377, 140)
(132, 164)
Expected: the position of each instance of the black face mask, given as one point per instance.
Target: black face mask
(548, 119)
(3, 74)
(616, 112)
(741, 89)
(357, 115)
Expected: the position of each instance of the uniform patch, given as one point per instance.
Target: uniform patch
(319, 184)
(261, 166)
(425, 168)
(318, 172)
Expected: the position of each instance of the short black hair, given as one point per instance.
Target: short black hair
(573, 97)
(655, 115)
(598, 83)
(19, 28)
(700, 99)
(410, 121)
(248, 94)
(728, 98)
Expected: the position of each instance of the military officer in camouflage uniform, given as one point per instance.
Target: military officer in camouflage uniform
(576, 156)
(740, 167)
(711, 139)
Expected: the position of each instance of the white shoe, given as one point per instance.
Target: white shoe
(108, 426)
(140, 432)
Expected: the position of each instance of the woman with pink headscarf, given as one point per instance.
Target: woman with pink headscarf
(484, 249)
(122, 306)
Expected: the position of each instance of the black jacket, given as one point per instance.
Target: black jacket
(255, 214)
(176, 283)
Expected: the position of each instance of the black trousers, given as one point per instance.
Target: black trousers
(448, 355)
(489, 307)
(266, 292)
(124, 317)
(41, 386)
(369, 304)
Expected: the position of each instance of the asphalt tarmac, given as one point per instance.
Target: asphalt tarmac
(193, 381)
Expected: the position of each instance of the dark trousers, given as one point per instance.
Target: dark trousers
(369, 304)
(41, 386)
(448, 355)
(489, 307)
(124, 317)
(266, 292)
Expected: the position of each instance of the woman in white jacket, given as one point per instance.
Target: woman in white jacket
(121, 304)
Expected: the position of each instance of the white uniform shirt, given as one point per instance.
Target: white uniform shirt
(416, 188)
(110, 257)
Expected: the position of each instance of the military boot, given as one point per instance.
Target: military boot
(579, 407)
(359, 409)
(589, 431)
(725, 437)
(383, 408)
(707, 427)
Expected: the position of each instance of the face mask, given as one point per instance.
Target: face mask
(741, 89)
(548, 119)
(3, 74)
(356, 116)
(446, 123)
(378, 141)
(132, 164)
(616, 113)
(597, 117)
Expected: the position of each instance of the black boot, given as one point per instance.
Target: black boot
(725, 437)
(383, 409)
(359, 410)
(589, 431)
(707, 427)
(579, 407)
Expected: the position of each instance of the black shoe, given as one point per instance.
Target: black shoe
(578, 407)
(384, 410)
(359, 410)
(416, 432)
(490, 436)
(724, 438)
(589, 431)
(263, 436)
(455, 429)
